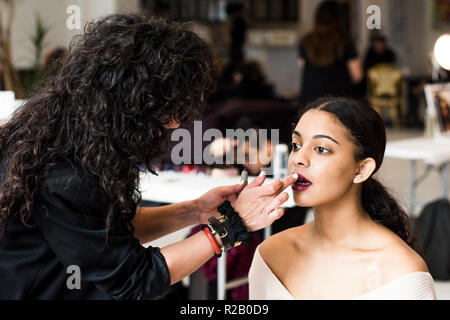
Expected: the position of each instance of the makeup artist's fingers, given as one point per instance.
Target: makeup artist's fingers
(226, 191)
(259, 180)
(271, 188)
(278, 185)
(276, 214)
(277, 201)
(289, 180)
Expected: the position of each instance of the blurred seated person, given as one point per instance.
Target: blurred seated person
(253, 154)
(248, 83)
(378, 52)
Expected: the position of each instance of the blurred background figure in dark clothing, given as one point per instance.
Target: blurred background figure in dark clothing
(328, 58)
(248, 82)
(378, 52)
(237, 28)
(251, 82)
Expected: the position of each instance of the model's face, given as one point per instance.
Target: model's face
(323, 153)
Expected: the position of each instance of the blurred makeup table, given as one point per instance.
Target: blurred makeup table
(434, 152)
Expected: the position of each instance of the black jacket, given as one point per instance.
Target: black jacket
(433, 231)
(69, 230)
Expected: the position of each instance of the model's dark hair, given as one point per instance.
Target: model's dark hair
(367, 131)
(104, 109)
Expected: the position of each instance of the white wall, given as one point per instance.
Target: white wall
(54, 15)
(126, 6)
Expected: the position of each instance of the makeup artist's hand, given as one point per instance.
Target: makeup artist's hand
(206, 206)
(258, 205)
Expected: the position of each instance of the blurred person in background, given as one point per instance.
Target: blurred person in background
(248, 83)
(327, 57)
(378, 52)
(251, 82)
(237, 28)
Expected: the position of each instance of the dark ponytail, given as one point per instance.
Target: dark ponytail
(367, 131)
(383, 208)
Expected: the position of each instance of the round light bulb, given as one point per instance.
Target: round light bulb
(442, 51)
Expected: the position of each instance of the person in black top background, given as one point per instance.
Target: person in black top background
(378, 52)
(329, 61)
(71, 159)
(238, 28)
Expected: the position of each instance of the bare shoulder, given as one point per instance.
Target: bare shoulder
(283, 243)
(399, 258)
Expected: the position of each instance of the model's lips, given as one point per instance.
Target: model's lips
(302, 180)
(301, 184)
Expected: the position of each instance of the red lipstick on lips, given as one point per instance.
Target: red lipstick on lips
(301, 184)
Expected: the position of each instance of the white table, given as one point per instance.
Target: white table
(434, 152)
(7, 109)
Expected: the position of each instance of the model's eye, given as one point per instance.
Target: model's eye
(322, 150)
(295, 146)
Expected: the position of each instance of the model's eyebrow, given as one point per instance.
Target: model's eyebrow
(317, 136)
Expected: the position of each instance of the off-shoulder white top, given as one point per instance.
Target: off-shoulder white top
(264, 285)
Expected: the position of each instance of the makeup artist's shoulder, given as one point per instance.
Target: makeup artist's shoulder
(286, 241)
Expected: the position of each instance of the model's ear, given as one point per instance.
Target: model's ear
(365, 169)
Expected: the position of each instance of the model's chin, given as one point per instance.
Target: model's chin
(303, 198)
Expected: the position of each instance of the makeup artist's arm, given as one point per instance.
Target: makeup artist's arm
(257, 205)
(151, 223)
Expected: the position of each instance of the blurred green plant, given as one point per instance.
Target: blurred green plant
(37, 72)
(38, 42)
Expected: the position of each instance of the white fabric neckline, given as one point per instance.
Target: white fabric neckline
(384, 286)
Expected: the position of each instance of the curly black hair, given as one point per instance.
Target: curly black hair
(105, 109)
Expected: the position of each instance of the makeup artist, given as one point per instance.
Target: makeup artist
(70, 165)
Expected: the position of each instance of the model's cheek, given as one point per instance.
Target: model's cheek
(329, 181)
(291, 166)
